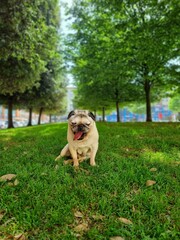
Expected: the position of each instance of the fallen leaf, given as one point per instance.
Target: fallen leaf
(116, 238)
(7, 177)
(98, 217)
(153, 170)
(78, 214)
(83, 227)
(16, 182)
(12, 184)
(125, 220)
(150, 183)
(2, 214)
(20, 237)
(9, 237)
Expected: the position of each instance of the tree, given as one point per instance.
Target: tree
(20, 61)
(22, 32)
(26, 45)
(97, 64)
(50, 94)
(124, 43)
(150, 45)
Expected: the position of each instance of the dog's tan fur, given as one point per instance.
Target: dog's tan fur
(80, 149)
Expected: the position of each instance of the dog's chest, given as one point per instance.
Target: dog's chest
(83, 151)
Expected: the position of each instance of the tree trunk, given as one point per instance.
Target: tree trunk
(10, 112)
(50, 118)
(147, 88)
(40, 114)
(117, 104)
(103, 114)
(30, 117)
(117, 111)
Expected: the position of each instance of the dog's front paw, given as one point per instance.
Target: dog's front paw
(58, 158)
(93, 164)
(76, 164)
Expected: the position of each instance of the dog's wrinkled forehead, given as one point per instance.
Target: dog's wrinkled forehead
(81, 114)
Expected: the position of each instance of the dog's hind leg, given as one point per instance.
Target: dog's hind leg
(64, 152)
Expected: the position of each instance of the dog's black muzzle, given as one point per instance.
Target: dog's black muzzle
(81, 128)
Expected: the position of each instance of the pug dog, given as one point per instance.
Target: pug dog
(82, 137)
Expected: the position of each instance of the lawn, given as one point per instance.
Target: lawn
(132, 193)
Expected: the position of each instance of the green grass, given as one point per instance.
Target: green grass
(44, 204)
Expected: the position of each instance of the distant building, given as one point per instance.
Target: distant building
(70, 97)
(159, 111)
(21, 116)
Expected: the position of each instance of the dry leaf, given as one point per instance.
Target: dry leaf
(125, 220)
(2, 214)
(12, 184)
(116, 238)
(20, 237)
(153, 170)
(16, 182)
(9, 237)
(7, 177)
(98, 217)
(83, 227)
(78, 214)
(150, 183)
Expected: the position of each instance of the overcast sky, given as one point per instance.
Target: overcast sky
(64, 28)
(64, 22)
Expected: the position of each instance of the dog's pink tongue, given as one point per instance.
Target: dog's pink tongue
(78, 135)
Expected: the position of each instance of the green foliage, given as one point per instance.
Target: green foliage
(137, 107)
(21, 62)
(26, 44)
(48, 195)
(123, 48)
(50, 92)
(30, 61)
(174, 103)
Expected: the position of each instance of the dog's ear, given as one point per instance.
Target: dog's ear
(90, 114)
(71, 114)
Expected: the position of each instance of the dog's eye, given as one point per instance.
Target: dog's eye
(73, 123)
(88, 124)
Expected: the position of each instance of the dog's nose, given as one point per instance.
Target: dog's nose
(80, 128)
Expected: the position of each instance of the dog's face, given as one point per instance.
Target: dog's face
(81, 123)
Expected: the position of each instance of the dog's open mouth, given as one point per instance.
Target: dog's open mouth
(79, 135)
